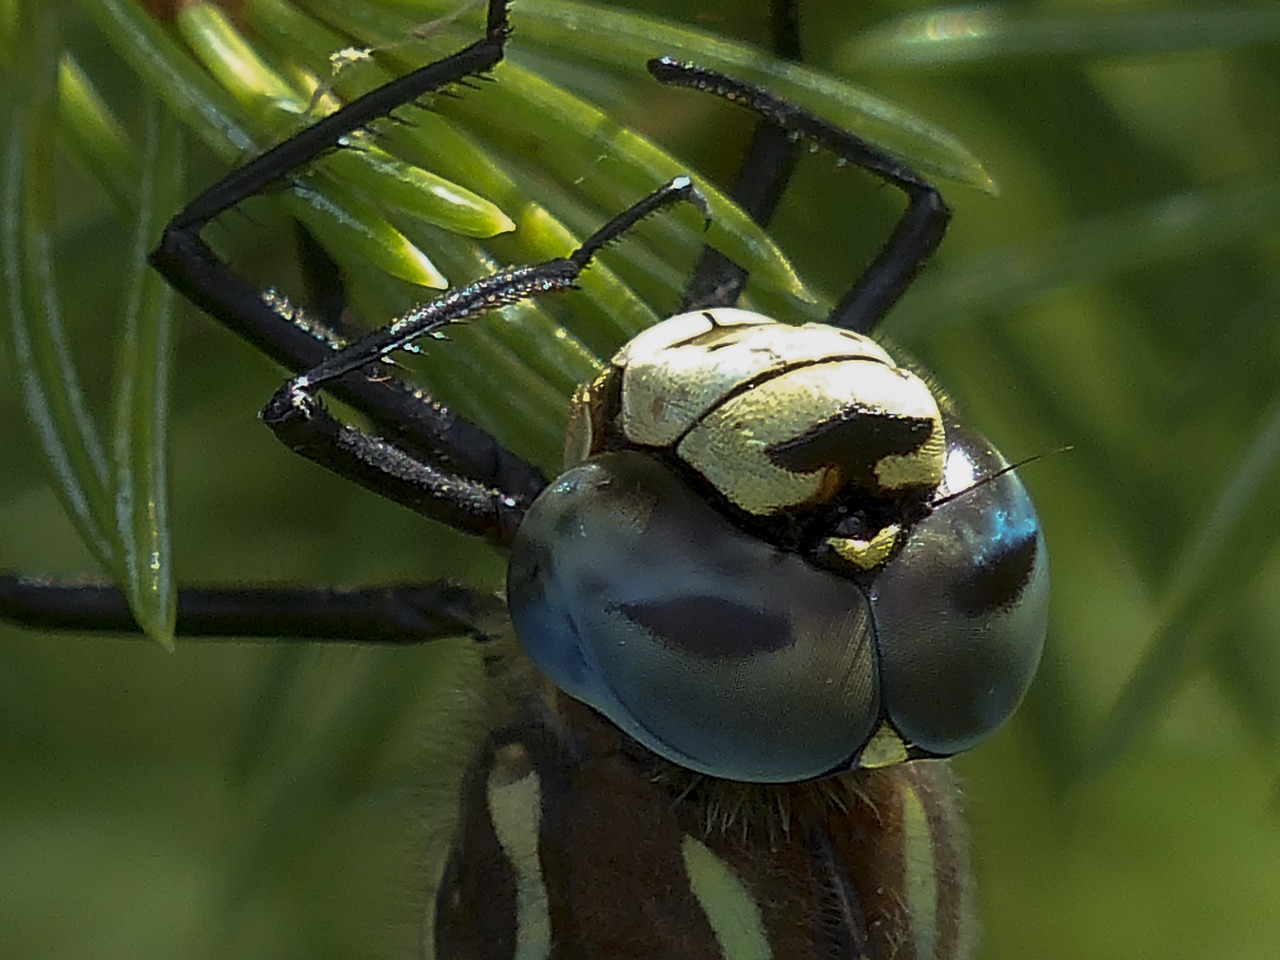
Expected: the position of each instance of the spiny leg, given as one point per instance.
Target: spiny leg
(303, 424)
(399, 410)
(489, 293)
(919, 230)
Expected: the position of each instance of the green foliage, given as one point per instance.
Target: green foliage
(1118, 296)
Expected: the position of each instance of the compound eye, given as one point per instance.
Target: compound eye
(961, 611)
(707, 645)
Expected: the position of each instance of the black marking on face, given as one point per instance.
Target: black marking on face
(712, 628)
(855, 440)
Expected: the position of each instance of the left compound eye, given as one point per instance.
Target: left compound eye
(709, 646)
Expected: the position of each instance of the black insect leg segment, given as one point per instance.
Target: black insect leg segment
(716, 281)
(302, 423)
(385, 614)
(920, 229)
(402, 413)
(262, 170)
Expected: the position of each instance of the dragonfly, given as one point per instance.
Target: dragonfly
(778, 582)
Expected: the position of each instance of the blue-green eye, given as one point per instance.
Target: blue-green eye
(706, 644)
(885, 629)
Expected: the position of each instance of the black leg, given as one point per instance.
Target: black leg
(392, 614)
(400, 411)
(918, 232)
(266, 168)
(301, 422)
(716, 281)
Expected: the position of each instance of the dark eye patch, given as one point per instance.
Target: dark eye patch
(998, 582)
(711, 628)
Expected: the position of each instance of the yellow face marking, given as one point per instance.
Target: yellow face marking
(883, 749)
(919, 470)
(678, 371)
(867, 554)
(730, 390)
(730, 444)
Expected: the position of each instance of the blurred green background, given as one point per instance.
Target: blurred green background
(1119, 295)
